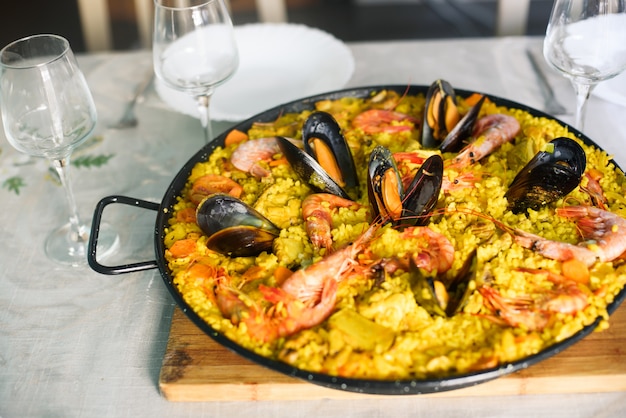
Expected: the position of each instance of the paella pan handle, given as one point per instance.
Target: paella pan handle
(95, 229)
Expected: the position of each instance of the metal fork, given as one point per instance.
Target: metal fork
(128, 119)
(551, 104)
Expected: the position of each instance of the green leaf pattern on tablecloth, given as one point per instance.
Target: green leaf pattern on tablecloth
(89, 161)
(15, 182)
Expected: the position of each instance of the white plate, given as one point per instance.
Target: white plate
(613, 90)
(278, 63)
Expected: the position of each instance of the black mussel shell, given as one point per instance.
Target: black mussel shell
(380, 187)
(462, 285)
(423, 287)
(323, 126)
(458, 289)
(234, 228)
(309, 170)
(440, 114)
(241, 241)
(422, 194)
(454, 141)
(548, 176)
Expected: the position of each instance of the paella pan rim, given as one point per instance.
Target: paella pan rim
(370, 386)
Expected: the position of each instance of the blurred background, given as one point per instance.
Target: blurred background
(93, 25)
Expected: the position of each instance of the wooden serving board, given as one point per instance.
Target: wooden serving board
(196, 368)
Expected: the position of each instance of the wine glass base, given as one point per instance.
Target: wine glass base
(62, 247)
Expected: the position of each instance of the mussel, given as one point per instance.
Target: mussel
(387, 195)
(550, 175)
(323, 140)
(422, 194)
(384, 184)
(441, 114)
(309, 170)
(326, 163)
(444, 297)
(444, 127)
(455, 140)
(233, 228)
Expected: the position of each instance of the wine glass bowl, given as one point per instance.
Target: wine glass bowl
(585, 41)
(47, 110)
(38, 126)
(194, 49)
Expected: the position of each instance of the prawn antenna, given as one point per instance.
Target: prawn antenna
(501, 225)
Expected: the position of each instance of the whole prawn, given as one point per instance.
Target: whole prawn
(317, 211)
(604, 233)
(284, 317)
(373, 121)
(248, 154)
(535, 312)
(566, 297)
(307, 284)
(496, 130)
(515, 312)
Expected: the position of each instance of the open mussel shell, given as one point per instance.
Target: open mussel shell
(441, 114)
(455, 140)
(386, 193)
(233, 228)
(422, 194)
(309, 170)
(425, 289)
(384, 185)
(324, 141)
(444, 297)
(548, 176)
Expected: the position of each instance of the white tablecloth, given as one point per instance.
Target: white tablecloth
(74, 343)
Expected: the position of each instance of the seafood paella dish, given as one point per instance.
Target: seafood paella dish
(401, 236)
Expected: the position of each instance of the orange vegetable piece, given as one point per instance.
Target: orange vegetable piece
(277, 162)
(201, 271)
(575, 270)
(253, 273)
(281, 274)
(186, 215)
(235, 137)
(183, 248)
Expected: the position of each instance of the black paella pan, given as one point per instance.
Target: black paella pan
(385, 387)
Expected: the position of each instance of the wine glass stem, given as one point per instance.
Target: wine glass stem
(78, 233)
(582, 95)
(205, 117)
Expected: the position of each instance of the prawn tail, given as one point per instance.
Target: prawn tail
(575, 212)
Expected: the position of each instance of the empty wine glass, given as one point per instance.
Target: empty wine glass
(586, 41)
(47, 110)
(194, 49)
